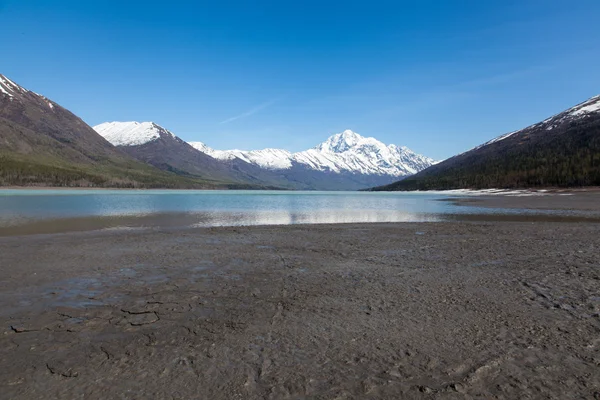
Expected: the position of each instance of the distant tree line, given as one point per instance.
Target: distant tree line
(29, 172)
(15, 172)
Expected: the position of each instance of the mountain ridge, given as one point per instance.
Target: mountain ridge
(152, 144)
(345, 161)
(342, 152)
(562, 150)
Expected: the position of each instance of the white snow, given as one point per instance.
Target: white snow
(14, 85)
(343, 152)
(266, 158)
(4, 91)
(341, 142)
(492, 192)
(201, 147)
(10, 88)
(130, 133)
(589, 107)
(5, 86)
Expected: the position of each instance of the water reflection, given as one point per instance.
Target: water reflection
(314, 217)
(286, 207)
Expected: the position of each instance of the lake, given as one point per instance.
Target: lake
(126, 208)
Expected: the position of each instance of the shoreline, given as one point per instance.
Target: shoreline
(579, 206)
(582, 206)
(549, 190)
(180, 223)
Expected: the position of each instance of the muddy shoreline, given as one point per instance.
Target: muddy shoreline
(571, 200)
(463, 309)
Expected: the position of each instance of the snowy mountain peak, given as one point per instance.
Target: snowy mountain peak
(345, 152)
(203, 148)
(340, 142)
(131, 133)
(349, 136)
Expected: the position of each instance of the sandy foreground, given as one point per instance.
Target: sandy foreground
(462, 309)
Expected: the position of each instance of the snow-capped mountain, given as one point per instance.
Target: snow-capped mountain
(131, 133)
(265, 158)
(345, 161)
(159, 147)
(346, 152)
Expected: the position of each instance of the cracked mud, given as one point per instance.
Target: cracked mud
(432, 310)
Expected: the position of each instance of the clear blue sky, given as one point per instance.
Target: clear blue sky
(437, 76)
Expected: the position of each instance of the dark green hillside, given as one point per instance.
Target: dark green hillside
(17, 170)
(563, 151)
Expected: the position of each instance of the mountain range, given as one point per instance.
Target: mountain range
(42, 143)
(343, 152)
(562, 151)
(345, 160)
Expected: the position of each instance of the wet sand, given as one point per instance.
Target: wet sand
(580, 200)
(463, 309)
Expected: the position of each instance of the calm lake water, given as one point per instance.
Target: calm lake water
(224, 208)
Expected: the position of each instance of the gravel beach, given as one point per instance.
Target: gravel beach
(460, 309)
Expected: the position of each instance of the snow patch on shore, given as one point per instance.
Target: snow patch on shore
(493, 192)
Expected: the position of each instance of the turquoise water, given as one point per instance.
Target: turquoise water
(234, 207)
(217, 208)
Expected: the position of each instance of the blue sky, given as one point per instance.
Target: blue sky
(437, 76)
